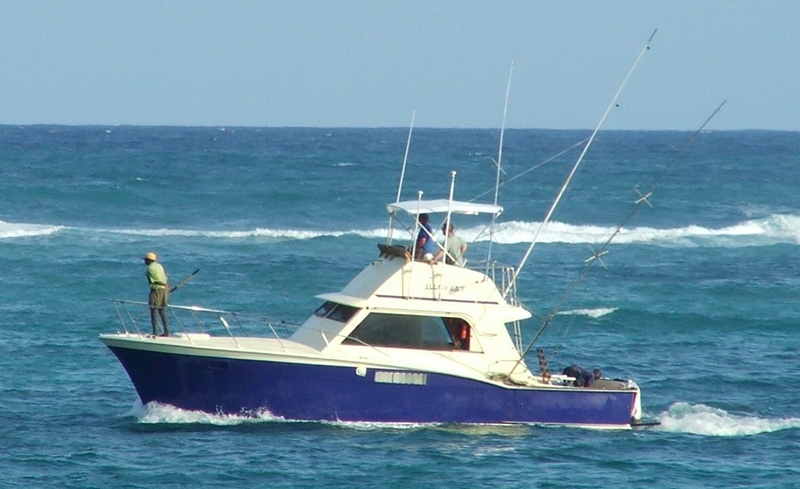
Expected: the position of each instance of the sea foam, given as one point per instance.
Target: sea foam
(21, 230)
(774, 229)
(157, 413)
(770, 230)
(592, 313)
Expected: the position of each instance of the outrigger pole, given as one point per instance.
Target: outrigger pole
(499, 164)
(604, 249)
(575, 167)
(643, 197)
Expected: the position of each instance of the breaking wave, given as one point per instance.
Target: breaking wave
(22, 230)
(253, 233)
(774, 229)
(700, 419)
(592, 313)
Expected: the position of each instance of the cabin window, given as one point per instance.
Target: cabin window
(403, 331)
(335, 311)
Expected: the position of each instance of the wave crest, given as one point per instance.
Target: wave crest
(777, 228)
(592, 313)
(774, 229)
(22, 230)
(253, 233)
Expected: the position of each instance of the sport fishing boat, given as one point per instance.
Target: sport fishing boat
(405, 341)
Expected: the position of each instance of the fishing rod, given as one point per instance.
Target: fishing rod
(553, 206)
(182, 282)
(589, 262)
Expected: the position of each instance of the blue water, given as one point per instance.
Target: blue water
(697, 304)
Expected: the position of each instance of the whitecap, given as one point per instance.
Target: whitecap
(593, 313)
(778, 228)
(21, 230)
(773, 229)
(251, 233)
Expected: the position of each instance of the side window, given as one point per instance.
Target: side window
(324, 309)
(403, 331)
(336, 312)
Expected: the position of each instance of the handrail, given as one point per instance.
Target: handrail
(189, 319)
(171, 306)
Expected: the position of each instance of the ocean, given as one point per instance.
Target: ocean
(696, 300)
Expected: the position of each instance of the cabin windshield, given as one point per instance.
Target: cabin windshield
(407, 331)
(335, 311)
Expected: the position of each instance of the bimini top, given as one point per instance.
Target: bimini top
(415, 207)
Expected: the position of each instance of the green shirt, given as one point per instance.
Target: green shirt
(156, 276)
(454, 247)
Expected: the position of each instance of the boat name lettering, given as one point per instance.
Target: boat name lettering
(453, 288)
(401, 378)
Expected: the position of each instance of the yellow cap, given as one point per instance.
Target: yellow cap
(150, 256)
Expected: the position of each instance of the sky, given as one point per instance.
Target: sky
(374, 63)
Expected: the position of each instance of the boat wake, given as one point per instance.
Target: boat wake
(699, 419)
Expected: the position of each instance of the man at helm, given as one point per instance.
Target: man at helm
(159, 291)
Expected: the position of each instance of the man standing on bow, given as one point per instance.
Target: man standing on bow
(159, 291)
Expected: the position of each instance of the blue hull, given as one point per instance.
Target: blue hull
(315, 393)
